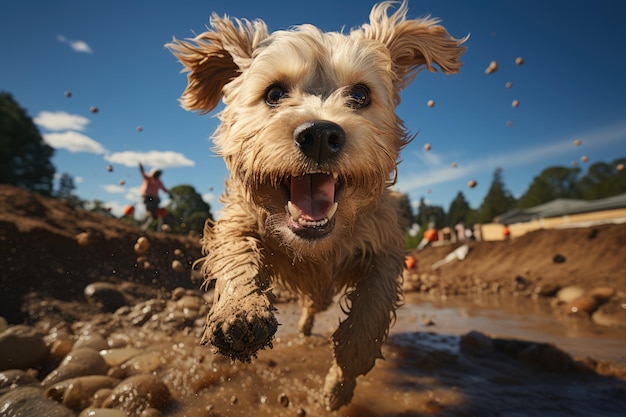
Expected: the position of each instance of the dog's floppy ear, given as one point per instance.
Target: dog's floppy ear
(216, 57)
(413, 44)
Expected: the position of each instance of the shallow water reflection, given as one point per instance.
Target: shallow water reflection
(511, 317)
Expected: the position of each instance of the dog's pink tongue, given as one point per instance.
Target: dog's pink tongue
(312, 195)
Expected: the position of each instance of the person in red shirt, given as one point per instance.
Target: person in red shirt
(150, 193)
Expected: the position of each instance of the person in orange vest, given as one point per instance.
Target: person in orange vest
(506, 233)
(150, 193)
(430, 235)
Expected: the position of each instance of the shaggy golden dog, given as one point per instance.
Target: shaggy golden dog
(310, 137)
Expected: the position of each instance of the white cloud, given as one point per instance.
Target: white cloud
(114, 189)
(154, 159)
(73, 142)
(61, 120)
(79, 180)
(78, 45)
(208, 198)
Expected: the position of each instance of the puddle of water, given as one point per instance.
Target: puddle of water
(510, 317)
(503, 317)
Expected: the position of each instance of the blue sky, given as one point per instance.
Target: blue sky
(111, 54)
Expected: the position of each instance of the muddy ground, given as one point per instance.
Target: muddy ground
(63, 301)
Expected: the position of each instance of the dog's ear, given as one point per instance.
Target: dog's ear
(413, 44)
(216, 57)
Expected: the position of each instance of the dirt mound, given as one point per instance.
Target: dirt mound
(39, 252)
(588, 257)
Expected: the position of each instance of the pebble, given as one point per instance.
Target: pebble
(547, 290)
(137, 393)
(116, 357)
(611, 314)
(144, 363)
(106, 294)
(602, 294)
(476, 342)
(570, 293)
(17, 378)
(102, 412)
(79, 362)
(283, 400)
(91, 340)
(585, 304)
(29, 401)
(21, 347)
(78, 393)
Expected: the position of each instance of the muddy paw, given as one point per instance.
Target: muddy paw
(240, 335)
(338, 394)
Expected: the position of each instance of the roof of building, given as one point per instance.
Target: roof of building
(561, 207)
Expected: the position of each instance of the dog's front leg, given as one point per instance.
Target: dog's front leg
(241, 320)
(358, 340)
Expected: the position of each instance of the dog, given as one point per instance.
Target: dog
(311, 140)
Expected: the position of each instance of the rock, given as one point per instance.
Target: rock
(142, 245)
(116, 357)
(611, 314)
(80, 362)
(102, 412)
(91, 340)
(83, 238)
(558, 259)
(283, 399)
(21, 347)
(143, 363)
(17, 378)
(78, 393)
(584, 304)
(602, 294)
(138, 393)
(177, 266)
(521, 283)
(547, 290)
(570, 293)
(476, 342)
(106, 294)
(548, 357)
(29, 401)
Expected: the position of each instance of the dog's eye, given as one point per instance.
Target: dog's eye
(274, 94)
(359, 96)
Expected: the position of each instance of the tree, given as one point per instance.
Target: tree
(66, 191)
(603, 180)
(188, 210)
(24, 156)
(459, 210)
(552, 183)
(497, 201)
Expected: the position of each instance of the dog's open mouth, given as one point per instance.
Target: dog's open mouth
(312, 204)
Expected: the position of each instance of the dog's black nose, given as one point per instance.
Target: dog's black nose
(319, 139)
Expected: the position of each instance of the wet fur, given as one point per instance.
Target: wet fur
(250, 246)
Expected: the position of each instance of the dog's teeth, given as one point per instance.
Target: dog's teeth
(332, 210)
(295, 213)
(335, 175)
